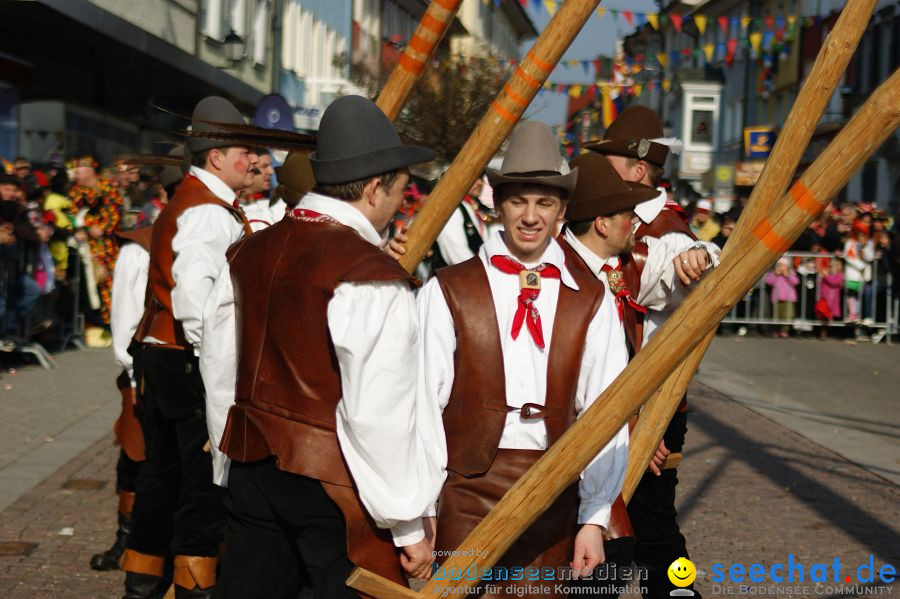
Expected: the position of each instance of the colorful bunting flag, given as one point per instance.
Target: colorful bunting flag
(551, 6)
(723, 23)
(663, 60)
(601, 11)
(653, 19)
(666, 84)
(708, 50)
(700, 21)
(676, 22)
(629, 17)
(745, 21)
(756, 41)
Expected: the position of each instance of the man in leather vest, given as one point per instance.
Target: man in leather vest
(313, 416)
(178, 509)
(636, 148)
(515, 345)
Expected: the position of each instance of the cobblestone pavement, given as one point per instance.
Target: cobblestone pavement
(751, 491)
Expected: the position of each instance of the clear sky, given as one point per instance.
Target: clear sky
(597, 38)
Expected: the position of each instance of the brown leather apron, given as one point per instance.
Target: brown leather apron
(547, 543)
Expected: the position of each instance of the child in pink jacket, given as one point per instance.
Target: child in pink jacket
(783, 281)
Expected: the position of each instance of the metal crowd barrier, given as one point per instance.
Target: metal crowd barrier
(878, 309)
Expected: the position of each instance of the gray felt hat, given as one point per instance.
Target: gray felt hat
(533, 157)
(210, 110)
(356, 141)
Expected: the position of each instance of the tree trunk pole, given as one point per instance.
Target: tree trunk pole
(536, 490)
(418, 53)
(814, 95)
(494, 127)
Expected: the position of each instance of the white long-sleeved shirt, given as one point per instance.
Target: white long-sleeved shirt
(129, 289)
(452, 240)
(385, 433)
(204, 234)
(261, 215)
(525, 367)
(661, 290)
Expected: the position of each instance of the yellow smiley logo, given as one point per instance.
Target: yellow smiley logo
(682, 572)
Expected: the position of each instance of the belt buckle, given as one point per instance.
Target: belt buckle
(530, 411)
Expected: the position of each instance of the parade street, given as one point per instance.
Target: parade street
(777, 433)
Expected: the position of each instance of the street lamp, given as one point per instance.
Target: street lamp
(234, 47)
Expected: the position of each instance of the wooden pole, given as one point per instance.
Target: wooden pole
(814, 95)
(701, 311)
(418, 53)
(494, 127)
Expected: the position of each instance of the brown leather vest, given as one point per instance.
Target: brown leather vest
(141, 236)
(667, 221)
(476, 413)
(288, 378)
(158, 321)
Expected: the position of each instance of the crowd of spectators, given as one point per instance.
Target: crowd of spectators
(58, 244)
(848, 260)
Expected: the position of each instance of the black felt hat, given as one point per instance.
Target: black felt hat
(600, 190)
(356, 141)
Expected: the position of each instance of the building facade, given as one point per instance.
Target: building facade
(730, 78)
(83, 76)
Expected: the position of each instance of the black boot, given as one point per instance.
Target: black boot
(111, 558)
(142, 586)
(195, 593)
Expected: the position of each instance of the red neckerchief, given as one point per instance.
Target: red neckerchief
(617, 285)
(527, 297)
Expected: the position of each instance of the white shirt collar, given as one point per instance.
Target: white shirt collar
(494, 245)
(344, 213)
(593, 261)
(650, 209)
(215, 185)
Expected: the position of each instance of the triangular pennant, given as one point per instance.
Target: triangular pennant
(700, 22)
(601, 11)
(745, 21)
(723, 23)
(708, 50)
(698, 55)
(676, 21)
(770, 22)
(732, 47)
(585, 64)
(598, 67)
(686, 51)
(791, 20)
(663, 59)
(575, 91)
(663, 20)
(524, 3)
(551, 6)
(666, 84)
(779, 22)
(637, 89)
(768, 36)
(614, 13)
(756, 41)
(653, 19)
(686, 20)
(641, 19)
(629, 17)
(651, 84)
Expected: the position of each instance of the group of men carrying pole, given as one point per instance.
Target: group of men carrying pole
(305, 411)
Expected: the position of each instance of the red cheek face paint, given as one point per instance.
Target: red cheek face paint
(241, 166)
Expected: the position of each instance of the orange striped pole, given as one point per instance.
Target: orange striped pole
(494, 127)
(699, 314)
(418, 53)
(818, 88)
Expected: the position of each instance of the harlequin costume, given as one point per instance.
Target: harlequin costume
(99, 206)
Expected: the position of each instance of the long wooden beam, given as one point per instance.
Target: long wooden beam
(418, 53)
(700, 313)
(494, 127)
(814, 95)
